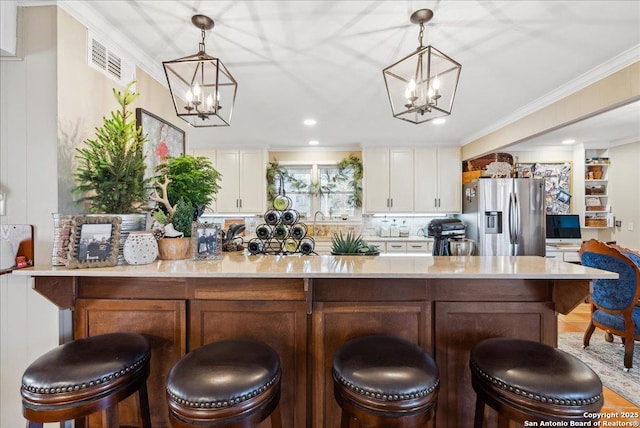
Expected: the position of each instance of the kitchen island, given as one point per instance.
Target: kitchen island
(305, 307)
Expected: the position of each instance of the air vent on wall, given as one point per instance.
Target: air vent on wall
(103, 58)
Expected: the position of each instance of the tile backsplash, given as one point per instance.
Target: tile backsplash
(367, 226)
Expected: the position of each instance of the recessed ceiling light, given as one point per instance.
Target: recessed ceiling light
(314, 142)
(439, 121)
(310, 122)
(569, 141)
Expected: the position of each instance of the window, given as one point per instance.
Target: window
(323, 188)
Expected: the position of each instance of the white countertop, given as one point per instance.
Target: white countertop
(404, 266)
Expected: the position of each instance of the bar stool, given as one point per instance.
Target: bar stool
(85, 376)
(529, 381)
(383, 381)
(231, 383)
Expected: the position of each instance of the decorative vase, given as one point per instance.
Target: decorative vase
(140, 248)
(174, 248)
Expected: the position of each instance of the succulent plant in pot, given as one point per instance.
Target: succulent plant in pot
(351, 244)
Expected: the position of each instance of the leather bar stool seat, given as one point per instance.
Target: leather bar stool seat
(383, 381)
(231, 383)
(85, 376)
(529, 381)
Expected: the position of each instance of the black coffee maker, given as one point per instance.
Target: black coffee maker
(442, 230)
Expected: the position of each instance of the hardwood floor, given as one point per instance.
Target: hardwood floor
(577, 321)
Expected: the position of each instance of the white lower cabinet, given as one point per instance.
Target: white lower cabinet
(564, 256)
(396, 247)
(323, 247)
(419, 247)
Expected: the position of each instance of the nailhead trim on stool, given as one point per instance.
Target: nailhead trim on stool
(529, 381)
(85, 376)
(383, 381)
(226, 383)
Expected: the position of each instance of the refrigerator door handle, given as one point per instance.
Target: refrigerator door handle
(513, 219)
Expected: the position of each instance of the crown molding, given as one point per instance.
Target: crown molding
(617, 63)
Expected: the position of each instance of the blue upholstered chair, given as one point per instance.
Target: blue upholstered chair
(613, 301)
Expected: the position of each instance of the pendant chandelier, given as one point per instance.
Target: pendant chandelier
(422, 86)
(202, 89)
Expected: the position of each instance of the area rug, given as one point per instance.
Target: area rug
(606, 359)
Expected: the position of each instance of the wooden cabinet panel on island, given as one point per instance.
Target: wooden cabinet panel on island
(438, 180)
(460, 325)
(280, 324)
(162, 322)
(243, 183)
(388, 180)
(334, 323)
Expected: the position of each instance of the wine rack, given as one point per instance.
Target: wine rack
(282, 232)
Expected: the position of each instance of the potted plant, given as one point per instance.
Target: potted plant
(111, 167)
(110, 174)
(352, 245)
(184, 186)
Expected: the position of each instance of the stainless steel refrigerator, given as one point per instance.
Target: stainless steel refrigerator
(505, 216)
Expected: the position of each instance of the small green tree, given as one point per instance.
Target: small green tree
(192, 177)
(182, 218)
(111, 168)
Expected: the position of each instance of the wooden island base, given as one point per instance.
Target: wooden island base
(306, 321)
(306, 315)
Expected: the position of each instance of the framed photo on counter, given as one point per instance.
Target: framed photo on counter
(95, 241)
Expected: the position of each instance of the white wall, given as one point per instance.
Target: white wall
(8, 12)
(28, 175)
(624, 193)
(50, 102)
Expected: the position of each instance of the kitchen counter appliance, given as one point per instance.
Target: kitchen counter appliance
(443, 230)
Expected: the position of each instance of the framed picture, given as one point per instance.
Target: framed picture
(206, 241)
(163, 140)
(95, 241)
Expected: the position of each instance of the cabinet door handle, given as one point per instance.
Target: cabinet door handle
(435, 202)
(391, 199)
(240, 202)
(438, 202)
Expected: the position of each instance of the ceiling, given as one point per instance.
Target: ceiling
(324, 59)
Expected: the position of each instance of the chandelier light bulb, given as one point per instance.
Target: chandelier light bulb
(196, 90)
(210, 102)
(189, 97)
(436, 83)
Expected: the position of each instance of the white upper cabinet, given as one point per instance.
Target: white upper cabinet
(243, 182)
(388, 180)
(438, 180)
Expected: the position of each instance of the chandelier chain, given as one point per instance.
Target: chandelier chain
(421, 34)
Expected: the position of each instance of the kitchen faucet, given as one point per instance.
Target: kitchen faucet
(315, 216)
